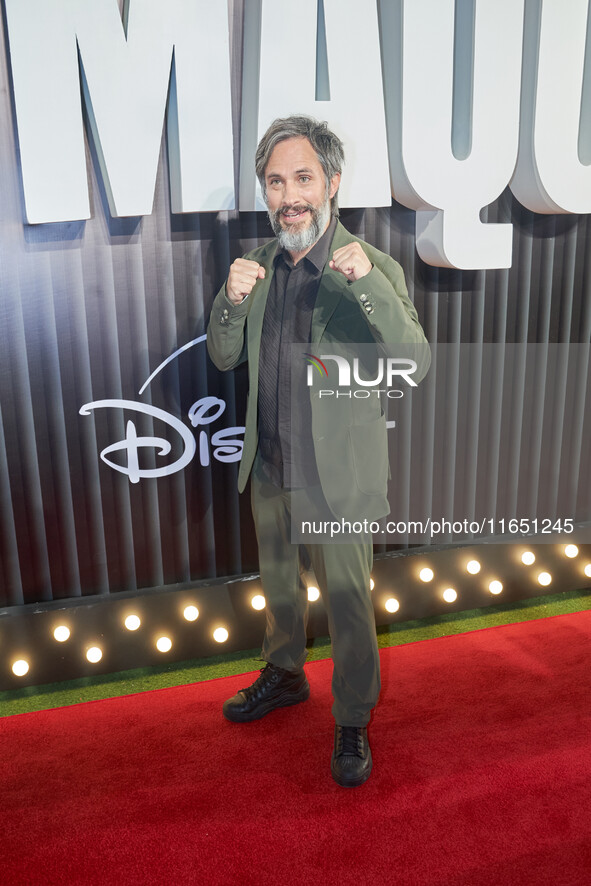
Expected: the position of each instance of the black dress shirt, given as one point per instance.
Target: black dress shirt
(287, 453)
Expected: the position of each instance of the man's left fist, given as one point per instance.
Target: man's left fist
(351, 261)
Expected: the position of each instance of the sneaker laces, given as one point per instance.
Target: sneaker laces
(269, 674)
(350, 743)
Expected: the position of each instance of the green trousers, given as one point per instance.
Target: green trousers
(343, 575)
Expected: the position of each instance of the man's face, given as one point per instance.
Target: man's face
(298, 198)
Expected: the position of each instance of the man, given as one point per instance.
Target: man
(315, 283)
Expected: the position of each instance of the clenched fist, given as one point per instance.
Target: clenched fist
(351, 261)
(241, 279)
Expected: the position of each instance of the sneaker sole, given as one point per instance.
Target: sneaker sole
(352, 782)
(263, 710)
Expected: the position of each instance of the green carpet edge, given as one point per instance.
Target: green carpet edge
(55, 695)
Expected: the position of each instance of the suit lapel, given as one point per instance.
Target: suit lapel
(331, 289)
(257, 312)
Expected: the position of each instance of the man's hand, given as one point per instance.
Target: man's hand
(241, 279)
(351, 261)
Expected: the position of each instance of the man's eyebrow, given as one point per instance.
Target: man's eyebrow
(305, 169)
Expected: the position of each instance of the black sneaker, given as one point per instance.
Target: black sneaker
(351, 759)
(274, 688)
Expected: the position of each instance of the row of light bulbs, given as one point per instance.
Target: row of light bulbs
(220, 634)
(473, 567)
(132, 622)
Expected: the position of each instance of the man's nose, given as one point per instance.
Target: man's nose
(291, 192)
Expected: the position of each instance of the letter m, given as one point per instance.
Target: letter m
(59, 48)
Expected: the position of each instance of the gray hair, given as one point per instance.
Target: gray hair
(328, 147)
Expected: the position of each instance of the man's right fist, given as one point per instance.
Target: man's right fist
(241, 279)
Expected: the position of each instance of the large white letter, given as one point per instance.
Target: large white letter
(550, 176)
(284, 74)
(448, 192)
(125, 75)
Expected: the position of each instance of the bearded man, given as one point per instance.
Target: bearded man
(314, 283)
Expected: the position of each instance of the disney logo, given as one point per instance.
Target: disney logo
(225, 443)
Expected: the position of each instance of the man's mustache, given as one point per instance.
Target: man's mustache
(292, 207)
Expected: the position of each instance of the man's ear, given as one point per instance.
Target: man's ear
(334, 184)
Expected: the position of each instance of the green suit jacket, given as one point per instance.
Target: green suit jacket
(349, 435)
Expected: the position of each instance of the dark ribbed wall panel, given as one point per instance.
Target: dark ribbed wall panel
(88, 310)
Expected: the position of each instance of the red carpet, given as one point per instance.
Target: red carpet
(482, 775)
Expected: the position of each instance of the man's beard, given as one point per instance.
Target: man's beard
(299, 241)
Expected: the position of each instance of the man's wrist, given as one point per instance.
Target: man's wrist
(236, 306)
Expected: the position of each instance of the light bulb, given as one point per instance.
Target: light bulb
(450, 595)
(20, 668)
(571, 551)
(132, 622)
(258, 602)
(313, 594)
(94, 654)
(163, 644)
(544, 578)
(392, 605)
(426, 574)
(528, 558)
(495, 587)
(220, 635)
(191, 613)
(473, 567)
(62, 633)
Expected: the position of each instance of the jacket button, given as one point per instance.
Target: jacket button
(363, 297)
